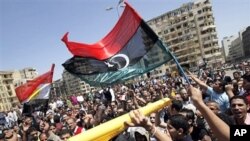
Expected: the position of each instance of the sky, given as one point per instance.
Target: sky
(31, 30)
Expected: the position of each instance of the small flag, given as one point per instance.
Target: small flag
(35, 93)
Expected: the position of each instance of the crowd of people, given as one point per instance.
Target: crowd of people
(202, 110)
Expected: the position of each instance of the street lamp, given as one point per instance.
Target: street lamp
(118, 5)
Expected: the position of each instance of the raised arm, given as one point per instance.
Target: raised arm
(229, 90)
(138, 119)
(197, 80)
(219, 128)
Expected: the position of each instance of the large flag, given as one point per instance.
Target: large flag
(130, 49)
(34, 95)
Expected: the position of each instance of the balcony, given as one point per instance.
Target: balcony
(208, 27)
(209, 55)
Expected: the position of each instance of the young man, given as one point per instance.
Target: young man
(178, 128)
(64, 134)
(239, 108)
(220, 128)
(216, 93)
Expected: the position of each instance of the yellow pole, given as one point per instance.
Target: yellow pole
(110, 129)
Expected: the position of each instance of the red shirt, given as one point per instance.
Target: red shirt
(78, 130)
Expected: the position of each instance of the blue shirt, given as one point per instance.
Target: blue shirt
(221, 98)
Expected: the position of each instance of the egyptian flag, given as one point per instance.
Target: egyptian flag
(130, 49)
(34, 95)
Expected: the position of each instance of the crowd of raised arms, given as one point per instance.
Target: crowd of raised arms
(202, 110)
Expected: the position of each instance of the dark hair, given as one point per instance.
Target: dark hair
(179, 121)
(222, 83)
(189, 114)
(64, 131)
(177, 105)
(212, 101)
(31, 129)
(236, 72)
(56, 118)
(239, 97)
(246, 77)
(52, 124)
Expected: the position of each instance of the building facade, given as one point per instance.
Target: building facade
(8, 97)
(75, 85)
(24, 75)
(235, 46)
(190, 34)
(236, 51)
(246, 42)
(58, 89)
(226, 45)
(9, 80)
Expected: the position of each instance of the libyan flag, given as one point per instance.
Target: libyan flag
(34, 95)
(130, 49)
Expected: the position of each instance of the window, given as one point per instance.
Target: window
(185, 25)
(165, 31)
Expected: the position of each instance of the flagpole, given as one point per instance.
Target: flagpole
(52, 68)
(178, 64)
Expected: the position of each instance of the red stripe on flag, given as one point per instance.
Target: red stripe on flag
(26, 90)
(113, 42)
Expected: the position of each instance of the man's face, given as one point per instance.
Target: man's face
(28, 120)
(216, 86)
(239, 108)
(53, 129)
(152, 118)
(178, 97)
(213, 106)
(113, 106)
(184, 95)
(247, 70)
(33, 136)
(65, 137)
(246, 84)
(71, 124)
(236, 75)
(43, 137)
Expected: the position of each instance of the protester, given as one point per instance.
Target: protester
(73, 126)
(67, 117)
(216, 93)
(239, 107)
(65, 134)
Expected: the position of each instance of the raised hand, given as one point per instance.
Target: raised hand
(138, 119)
